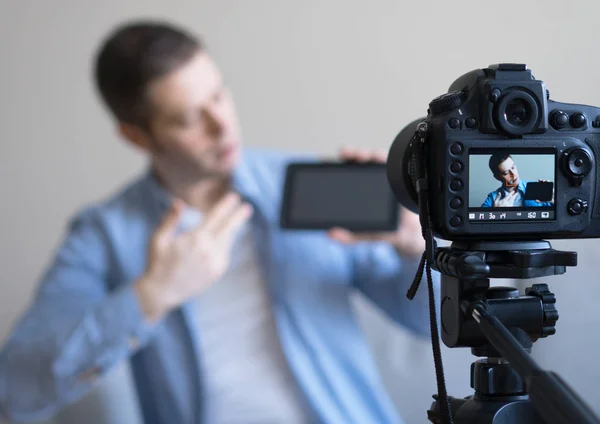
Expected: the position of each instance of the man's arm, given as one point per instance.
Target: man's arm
(489, 200)
(74, 330)
(385, 264)
(385, 277)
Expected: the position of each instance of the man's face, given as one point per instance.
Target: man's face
(193, 123)
(507, 173)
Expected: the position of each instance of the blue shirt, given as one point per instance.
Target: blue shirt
(85, 318)
(491, 197)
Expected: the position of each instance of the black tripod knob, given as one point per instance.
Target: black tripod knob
(548, 299)
(492, 377)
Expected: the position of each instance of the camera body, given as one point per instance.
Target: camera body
(496, 167)
(494, 143)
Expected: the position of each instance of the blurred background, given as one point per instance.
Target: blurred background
(311, 76)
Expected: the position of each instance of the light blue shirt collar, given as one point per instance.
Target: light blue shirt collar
(243, 183)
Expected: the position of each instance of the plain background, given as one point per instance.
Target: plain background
(530, 167)
(311, 75)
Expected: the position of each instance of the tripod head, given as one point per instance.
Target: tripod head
(501, 326)
(466, 270)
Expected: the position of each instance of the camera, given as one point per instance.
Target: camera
(496, 167)
(503, 161)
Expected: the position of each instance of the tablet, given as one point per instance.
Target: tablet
(323, 195)
(541, 191)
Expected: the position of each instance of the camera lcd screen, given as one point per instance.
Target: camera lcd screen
(357, 197)
(511, 186)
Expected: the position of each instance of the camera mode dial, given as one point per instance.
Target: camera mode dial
(447, 102)
(548, 299)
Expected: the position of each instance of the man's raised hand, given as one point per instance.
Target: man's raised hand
(182, 266)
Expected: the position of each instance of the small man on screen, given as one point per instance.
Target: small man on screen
(512, 191)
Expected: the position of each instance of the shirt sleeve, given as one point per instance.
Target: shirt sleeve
(74, 330)
(384, 277)
(489, 200)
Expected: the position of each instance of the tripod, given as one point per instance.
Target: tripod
(500, 326)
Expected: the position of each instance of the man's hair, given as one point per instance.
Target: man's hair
(131, 57)
(495, 160)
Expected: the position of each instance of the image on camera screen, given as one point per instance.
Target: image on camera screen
(509, 186)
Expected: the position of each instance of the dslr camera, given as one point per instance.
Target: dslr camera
(496, 167)
(503, 161)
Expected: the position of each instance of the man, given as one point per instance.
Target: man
(225, 318)
(512, 191)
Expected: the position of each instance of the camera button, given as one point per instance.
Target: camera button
(471, 122)
(456, 149)
(456, 203)
(456, 167)
(578, 120)
(454, 123)
(577, 206)
(494, 95)
(456, 185)
(559, 119)
(456, 221)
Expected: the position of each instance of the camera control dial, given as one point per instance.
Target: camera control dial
(447, 102)
(577, 163)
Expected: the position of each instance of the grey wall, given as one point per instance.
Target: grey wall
(311, 75)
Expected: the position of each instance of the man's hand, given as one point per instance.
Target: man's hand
(408, 239)
(180, 267)
(508, 200)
